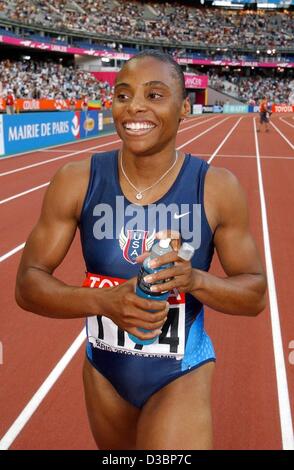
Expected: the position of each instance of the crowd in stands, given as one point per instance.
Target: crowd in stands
(171, 22)
(35, 79)
(32, 79)
(277, 90)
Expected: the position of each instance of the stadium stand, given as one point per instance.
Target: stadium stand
(254, 87)
(170, 23)
(219, 33)
(40, 79)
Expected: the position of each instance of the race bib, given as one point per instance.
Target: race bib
(103, 333)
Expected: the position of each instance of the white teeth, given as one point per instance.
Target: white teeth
(137, 126)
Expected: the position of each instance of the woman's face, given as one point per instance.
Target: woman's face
(148, 105)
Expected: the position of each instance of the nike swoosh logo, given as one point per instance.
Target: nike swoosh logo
(179, 216)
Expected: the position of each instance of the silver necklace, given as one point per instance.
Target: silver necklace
(139, 192)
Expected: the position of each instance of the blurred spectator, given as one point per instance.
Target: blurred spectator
(85, 104)
(72, 103)
(10, 102)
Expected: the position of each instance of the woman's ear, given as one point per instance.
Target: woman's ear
(186, 108)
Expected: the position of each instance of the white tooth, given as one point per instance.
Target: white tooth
(136, 126)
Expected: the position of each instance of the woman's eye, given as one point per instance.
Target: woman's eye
(122, 96)
(154, 95)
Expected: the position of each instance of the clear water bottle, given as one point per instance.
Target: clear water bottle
(143, 288)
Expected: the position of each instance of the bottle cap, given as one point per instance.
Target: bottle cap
(186, 251)
(164, 243)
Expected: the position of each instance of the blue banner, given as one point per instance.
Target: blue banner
(24, 132)
(217, 108)
(253, 108)
(90, 124)
(235, 108)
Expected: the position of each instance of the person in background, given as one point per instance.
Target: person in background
(72, 103)
(264, 114)
(10, 102)
(85, 103)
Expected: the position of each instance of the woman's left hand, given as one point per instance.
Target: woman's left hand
(180, 276)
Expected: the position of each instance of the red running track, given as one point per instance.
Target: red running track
(252, 399)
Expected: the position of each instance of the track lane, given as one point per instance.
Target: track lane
(244, 388)
(279, 187)
(63, 416)
(32, 344)
(272, 137)
(35, 156)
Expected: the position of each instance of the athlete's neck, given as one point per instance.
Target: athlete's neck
(144, 169)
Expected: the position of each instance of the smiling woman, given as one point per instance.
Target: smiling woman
(149, 102)
(151, 396)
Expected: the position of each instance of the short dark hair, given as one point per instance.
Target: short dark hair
(167, 59)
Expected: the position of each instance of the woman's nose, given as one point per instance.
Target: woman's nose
(137, 104)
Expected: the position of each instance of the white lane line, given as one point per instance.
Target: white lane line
(24, 193)
(50, 150)
(41, 393)
(85, 150)
(252, 156)
(44, 162)
(11, 252)
(282, 135)
(223, 141)
(86, 141)
(198, 124)
(202, 133)
(286, 122)
(281, 375)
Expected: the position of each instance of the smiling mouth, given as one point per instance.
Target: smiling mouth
(138, 128)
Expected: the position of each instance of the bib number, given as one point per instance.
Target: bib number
(103, 333)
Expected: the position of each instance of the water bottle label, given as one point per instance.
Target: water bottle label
(143, 285)
(103, 333)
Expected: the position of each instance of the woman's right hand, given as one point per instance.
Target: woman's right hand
(131, 312)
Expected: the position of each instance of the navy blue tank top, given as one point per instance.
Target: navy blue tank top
(114, 231)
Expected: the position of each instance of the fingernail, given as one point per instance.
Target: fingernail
(154, 289)
(148, 278)
(153, 263)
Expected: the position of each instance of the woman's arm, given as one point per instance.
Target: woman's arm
(39, 291)
(242, 291)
